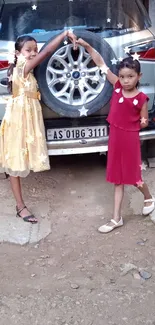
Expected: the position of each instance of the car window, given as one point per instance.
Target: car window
(119, 16)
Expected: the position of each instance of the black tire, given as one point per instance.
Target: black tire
(95, 105)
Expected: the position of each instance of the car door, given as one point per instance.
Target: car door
(6, 54)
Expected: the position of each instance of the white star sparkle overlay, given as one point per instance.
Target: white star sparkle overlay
(135, 56)
(119, 25)
(65, 42)
(71, 30)
(113, 61)
(58, 64)
(126, 50)
(139, 184)
(30, 139)
(108, 20)
(120, 59)
(27, 83)
(34, 7)
(104, 69)
(83, 111)
(42, 158)
(143, 166)
(143, 120)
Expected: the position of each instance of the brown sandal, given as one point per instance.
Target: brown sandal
(31, 218)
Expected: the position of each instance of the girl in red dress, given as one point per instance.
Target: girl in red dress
(128, 114)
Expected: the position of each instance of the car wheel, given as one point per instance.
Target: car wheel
(69, 81)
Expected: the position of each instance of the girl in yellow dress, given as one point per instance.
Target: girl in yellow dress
(22, 136)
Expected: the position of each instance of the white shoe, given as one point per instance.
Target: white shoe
(148, 209)
(106, 228)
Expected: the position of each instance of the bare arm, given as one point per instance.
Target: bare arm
(144, 116)
(51, 47)
(97, 58)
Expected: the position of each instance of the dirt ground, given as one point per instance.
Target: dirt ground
(75, 275)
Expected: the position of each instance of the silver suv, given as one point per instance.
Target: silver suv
(75, 96)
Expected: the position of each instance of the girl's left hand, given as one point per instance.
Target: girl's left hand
(73, 38)
(81, 42)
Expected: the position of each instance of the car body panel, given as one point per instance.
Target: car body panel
(118, 42)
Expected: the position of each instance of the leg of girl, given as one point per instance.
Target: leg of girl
(118, 198)
(22, 210)
(117, 220)
(149, 201)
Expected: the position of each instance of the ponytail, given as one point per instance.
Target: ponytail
(10, 74)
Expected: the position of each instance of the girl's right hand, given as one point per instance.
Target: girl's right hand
(73, 38)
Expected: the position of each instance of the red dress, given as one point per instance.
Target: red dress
(124, 154)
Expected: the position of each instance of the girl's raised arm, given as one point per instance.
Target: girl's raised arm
(97, 58)
(51, 47)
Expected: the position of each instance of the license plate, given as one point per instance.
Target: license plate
(76, 133)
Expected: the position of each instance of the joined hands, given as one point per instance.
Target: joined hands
(76, 42)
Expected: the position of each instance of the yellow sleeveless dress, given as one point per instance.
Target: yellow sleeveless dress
(22, 135)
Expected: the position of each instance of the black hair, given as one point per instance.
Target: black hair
(21, 40)
(130, 63)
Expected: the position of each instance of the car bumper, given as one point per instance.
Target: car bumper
(95, 145)
(147, 135)
(100, 145)
(70, 147)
